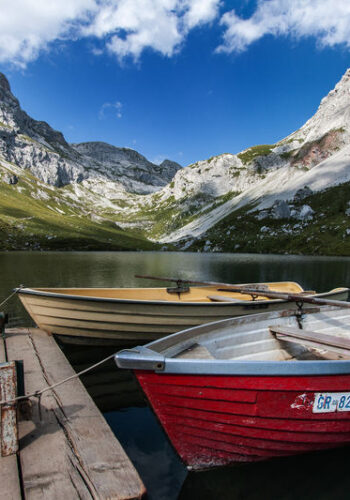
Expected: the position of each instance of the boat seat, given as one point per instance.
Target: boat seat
(195, 351)
(316, 340)
(222, 298)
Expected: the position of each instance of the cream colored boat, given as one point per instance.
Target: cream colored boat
(133, 316)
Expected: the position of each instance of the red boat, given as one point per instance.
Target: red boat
(250, 388)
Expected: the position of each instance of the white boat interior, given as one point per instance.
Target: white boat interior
(323, 333)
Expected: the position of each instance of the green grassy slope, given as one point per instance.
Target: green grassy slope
(35, 216)
(328, 233)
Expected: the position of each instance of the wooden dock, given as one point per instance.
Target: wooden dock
(66, 448)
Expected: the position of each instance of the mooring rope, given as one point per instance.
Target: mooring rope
(37, 394)
(8, 298)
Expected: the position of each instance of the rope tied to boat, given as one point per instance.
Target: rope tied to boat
(40, 392)
(10, 296)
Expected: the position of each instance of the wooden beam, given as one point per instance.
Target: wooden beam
(317, 340)
(8, 412)
(9, 476)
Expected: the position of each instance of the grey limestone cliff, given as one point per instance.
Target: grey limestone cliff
(126, 165)
(34, 145)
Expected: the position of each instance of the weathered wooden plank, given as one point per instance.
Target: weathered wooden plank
(8, 412)
(67, 448)
(49, 468)
(101, 456)
(8, 391)
(321, 338)
(317, 340)
(9, 479)
(328, 352)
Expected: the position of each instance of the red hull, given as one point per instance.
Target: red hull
(219, 420)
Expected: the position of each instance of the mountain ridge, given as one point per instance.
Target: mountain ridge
(44, 151)
(117, 191)
(278, 171)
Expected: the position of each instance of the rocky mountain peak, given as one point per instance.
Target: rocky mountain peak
(317, 155)
(13, 116)
(169, 168)
(333, 113)
(4, 83)
(102, 151)
(36, 146)
(114, 163)
(10, 111)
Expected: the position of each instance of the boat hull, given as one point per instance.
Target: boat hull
(220, 420)
(94, 320)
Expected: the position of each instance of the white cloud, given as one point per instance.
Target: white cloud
(139, 24)
(162, 25)
(328, 21)
(123, 27)
(200, 12)
(28, 26)
(115, 106)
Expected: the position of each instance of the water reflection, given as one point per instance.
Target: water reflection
(153, 456)
(110, 387)
(117, 269)
(315, 476)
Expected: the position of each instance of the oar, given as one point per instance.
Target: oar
(250, 290)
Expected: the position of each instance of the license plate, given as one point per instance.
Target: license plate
(327, 402)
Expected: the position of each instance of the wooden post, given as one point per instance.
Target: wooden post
(8, 413)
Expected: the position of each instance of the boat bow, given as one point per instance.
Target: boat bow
(140, 357)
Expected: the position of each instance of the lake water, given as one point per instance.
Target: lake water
(319, 475)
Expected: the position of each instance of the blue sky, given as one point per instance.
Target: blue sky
(177, 79)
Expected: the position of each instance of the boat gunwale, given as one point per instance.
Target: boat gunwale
(145, 358)
(41, 293)
(128, 359)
